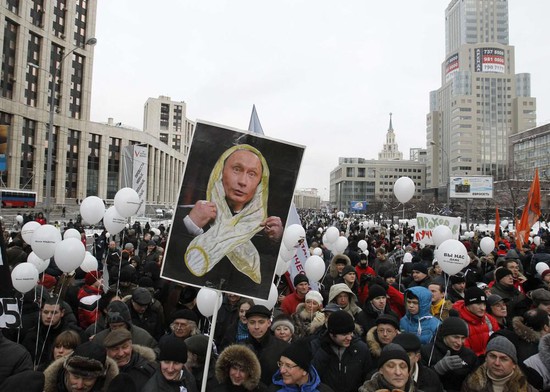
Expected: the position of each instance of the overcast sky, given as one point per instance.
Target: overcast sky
(324, 74)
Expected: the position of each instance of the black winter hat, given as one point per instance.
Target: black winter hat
(87, 360)
(142, 296)
(347, 269)
(421, 267)
(197, 344)
(299, 353)
(458, 278)
(453, 326)
(258, 310)
(387, 319)
(340, 322)
(409, 341)
(474, 295)
(186, 314)
(376, 291)
(393, 351)
(118, 312)
(501, 273)
(173, 349)
(300, 278)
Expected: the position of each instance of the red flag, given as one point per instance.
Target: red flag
(497, 228)
(531, 212)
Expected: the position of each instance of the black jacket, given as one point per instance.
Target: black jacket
(268, 350)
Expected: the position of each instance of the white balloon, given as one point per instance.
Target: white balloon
(314, 268)
(89, 264)
(19, 219)
(332, 234)
(363, 245)
(28, 230)
(403, 189)
(271, 300)
(407, 258)
(340, 245)
(286, 254)
(292, 235)
(92, 209)
(113, 221)
(452, 256)
(69, 254)
(127, 202)
(107, 235)
(487, 245)
(24, 277)
(206, 301)
(536, 240)
(504, 224)
(72, 233)
(340, 215)
(281, 267)
(44, 241)
(541, 267)
(155, 230)
(471, 234)
(38, 263)
(366, 252)
(318, 252)
(441, 234)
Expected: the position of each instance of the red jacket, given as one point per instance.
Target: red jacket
(87, 305)
(291, 302)
(479, 328)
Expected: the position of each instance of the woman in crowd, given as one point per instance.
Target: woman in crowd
(308, 316)
(283, 328)
(238, 331)
(238, 370)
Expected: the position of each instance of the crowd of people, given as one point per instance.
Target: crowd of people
(376, 322)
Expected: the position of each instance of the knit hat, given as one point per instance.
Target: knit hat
(142, 296)
(91, 277)
(340, 322)
(512, 255)
(300, 278)
(393, 351)
(540, 296)
(389, 273)
(535, 319)
(347, 269)
(331, 308)
(420, 267)
(409, 341)
(387, 319)
(282, 320)
(502, 345)
(458, 278)
(146, 281)
(376, 291)
(118, 312)
(87, 360)
(299, 353)
(129, 246)
(501, 273)
(197, 344)
(544, 273)
(315, 296)
(453, 326)
(173, 349)
(186, 314)
(474, 295)
(48, 281)
(116, 337)
(258, 310)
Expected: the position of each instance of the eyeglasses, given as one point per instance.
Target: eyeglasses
(179, 325)
(285, 365)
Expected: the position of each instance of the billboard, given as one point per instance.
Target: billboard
(489, 60)
(471, 187)
(451, 66)
(3, 147)
(358, 205)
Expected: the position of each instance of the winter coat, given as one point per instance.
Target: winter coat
(537, 367)
(344, 372)
(332, 277)
(314, 383)
(243, 356)
(141, 366)
(529, 339)
(453, 295)
(268, 350)
(306, 323)
(152, 320)
(291, 302)
(15, 359)
(88, 296)
(517, 304)
(427, 379)
(378, 384)
(453, 379)
(371, 314)
(160, 384)
(480, 382)
(479, 328)
(422, 324)
(55, 376)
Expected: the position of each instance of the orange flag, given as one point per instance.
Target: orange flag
(497, 228)
(531, 212)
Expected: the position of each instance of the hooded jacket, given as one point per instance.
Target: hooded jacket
(242, 356)
(313, 384)
(537, 367)
(479, 328)
(422, 324)
(529, 339)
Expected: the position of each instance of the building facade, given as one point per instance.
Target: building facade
(307, 198)
(529, 150)
(481, 101)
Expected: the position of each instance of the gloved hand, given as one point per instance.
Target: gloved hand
(447, 363)
(365, 278)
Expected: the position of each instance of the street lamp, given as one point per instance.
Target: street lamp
(448, 162)
(47, 202)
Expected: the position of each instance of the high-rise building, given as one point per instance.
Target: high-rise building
(390, 150)
(481, 101)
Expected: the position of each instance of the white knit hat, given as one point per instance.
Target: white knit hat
(315, 295)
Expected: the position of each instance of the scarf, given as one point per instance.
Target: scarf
(436, 309)
(242, 332)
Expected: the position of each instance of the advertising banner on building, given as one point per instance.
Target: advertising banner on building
(490, 60)
(451, 66)
(358, 205)
(471, 187)
(3, 147)
(426, 223)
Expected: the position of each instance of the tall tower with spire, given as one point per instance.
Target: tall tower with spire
(390, 151)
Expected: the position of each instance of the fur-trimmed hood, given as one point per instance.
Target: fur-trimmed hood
(55, 370)
(544, 350)
(333, 272)
(524, 332)
(242, 355)
(478, 381)
(145, 352)
(374, 345)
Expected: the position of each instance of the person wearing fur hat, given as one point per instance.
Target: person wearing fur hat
(504, 286)
(418, 318)
(394, 369)
(88, 297)
(340, 357)
(296, 373)
(283, 327)
(238, 370)
(334, 275)
(172, 376)
(309, 317)
(530, 328)
(447, 355)
(88, 369)
(135, 360)
(537, 366)
(292, 300)
(500, 372)
(382, 334)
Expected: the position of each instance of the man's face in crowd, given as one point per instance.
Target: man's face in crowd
(77, 383)
(302, 288)
(182, 328)
(477, 309)
(350, 277)
(242, 172)
(340, 267)
(396, 373)
(379, 302)
(140, 309)
(237, 374)
(112, 245)
(386, 333)
(418, 276)
(499, 309)
(437, 295)
(544, 306)
(52, 314)
(514, 267)
(413, 358)
(499, 365)
(121, 353)
(412, 305)
(507, 280)
(459, 287)
(454, 342)
(342, 339)
(171, 369)
(342, 300)
(258, 326)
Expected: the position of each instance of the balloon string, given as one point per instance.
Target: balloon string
(38, 319)
(50, 325)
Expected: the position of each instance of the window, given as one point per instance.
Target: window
(8, 59)
(77, 77)
(27, 154)
(58, 24)
(94, 145)
(31, 79)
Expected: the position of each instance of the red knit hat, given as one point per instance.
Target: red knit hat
(48, 281)
(92, 277)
